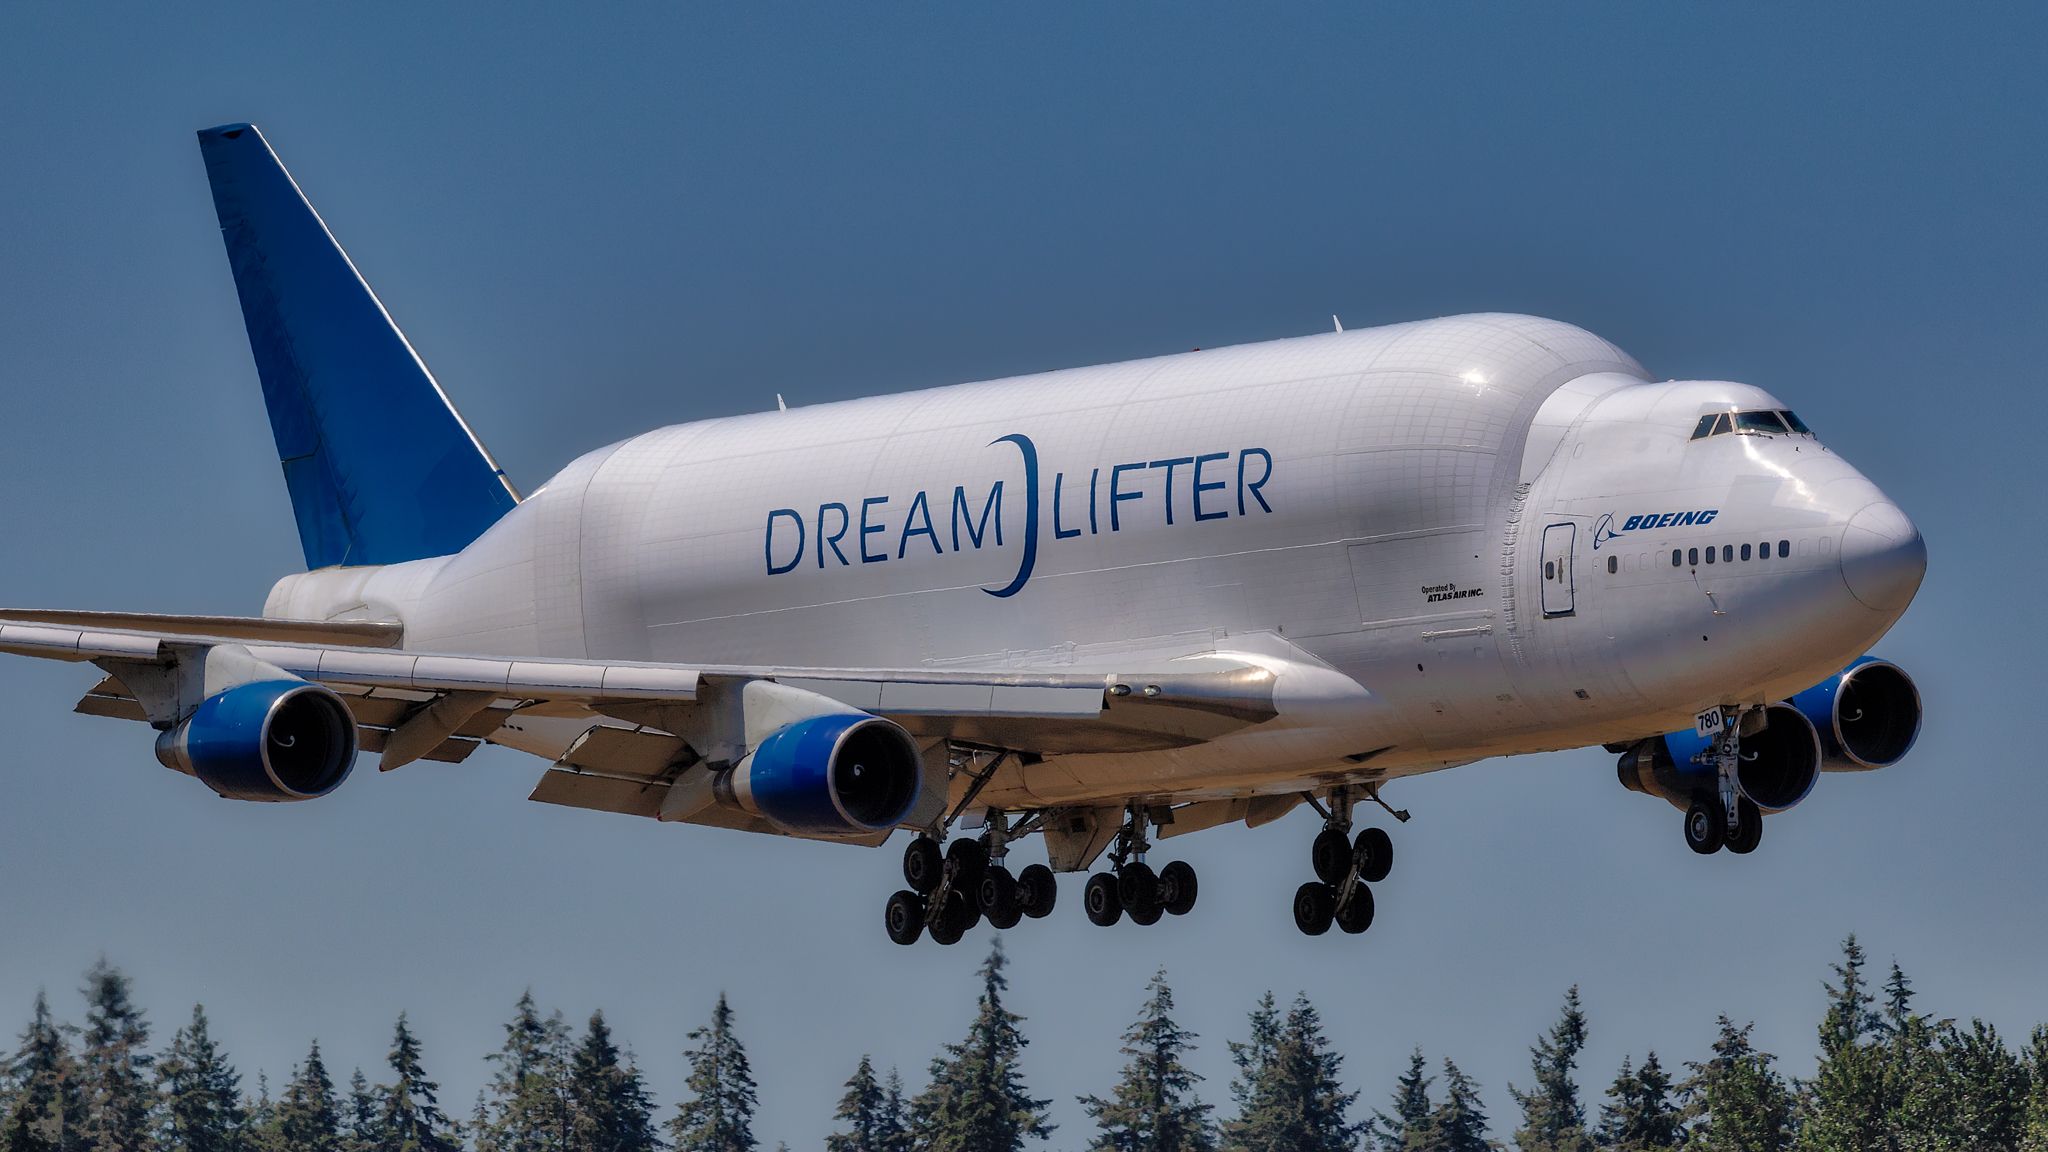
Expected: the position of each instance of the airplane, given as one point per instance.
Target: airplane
(1108, 606)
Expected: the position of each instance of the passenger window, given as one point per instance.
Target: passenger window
(1784, 549)
(1794, 423)
(1728, 554)
(1550, 570)
(1763, 550)
(1677, 558)
(1745, 552)
(1710, 554)
(1613, 565)
(1692, 557)
(1766, 422)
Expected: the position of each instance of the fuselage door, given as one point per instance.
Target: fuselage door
(1559, 598)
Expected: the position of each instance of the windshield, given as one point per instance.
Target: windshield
(1760, 422)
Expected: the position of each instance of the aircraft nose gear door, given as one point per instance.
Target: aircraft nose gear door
(1559, 598)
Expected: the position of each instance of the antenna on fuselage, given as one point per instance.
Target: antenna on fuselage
(1337, 322)
(780, 404)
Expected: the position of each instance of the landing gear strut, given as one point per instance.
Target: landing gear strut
(1131, 886)
(1344, 867)
(951, 891)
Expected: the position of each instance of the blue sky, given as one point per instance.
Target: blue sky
(593, 225)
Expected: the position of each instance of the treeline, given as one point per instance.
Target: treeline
(1889, 1077)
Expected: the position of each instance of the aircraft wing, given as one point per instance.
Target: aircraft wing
(621, 733)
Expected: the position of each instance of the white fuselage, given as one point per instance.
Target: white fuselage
(1450, 514)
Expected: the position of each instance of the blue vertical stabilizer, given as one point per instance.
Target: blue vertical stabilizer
(381, 467)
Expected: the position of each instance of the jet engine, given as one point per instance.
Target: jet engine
(266, 740)
(1779, 763)
(836, 774)
(1868, 715)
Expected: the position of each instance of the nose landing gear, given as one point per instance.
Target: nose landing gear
(1344, 868)
(1724, 817)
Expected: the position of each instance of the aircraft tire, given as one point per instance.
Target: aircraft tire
(922, 865)
(1330, 855)
(1356, 914)
(1037, 891)
(966, 859)
(1315, 906)
(1749, 828)
(1137, 886)
(1100, 900)
(1177, 888)
(1375, 854)
(1147, 915)
(997, 895)
(1706, 829)
(953, 923)
(904, 917)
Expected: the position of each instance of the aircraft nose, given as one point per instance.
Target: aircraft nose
(1883, 557)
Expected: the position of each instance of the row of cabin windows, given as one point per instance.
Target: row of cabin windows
(1761, 422)
(1726, 554)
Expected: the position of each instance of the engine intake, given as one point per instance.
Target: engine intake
(1780, 763)
(265, 741)
(835, 774)
(1868, 715)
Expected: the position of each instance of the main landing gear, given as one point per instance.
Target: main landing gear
(950, 892)
(1723, 817)
(1344, 868)
(1131, 886)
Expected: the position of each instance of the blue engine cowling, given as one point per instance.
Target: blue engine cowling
(1780, 763)
(269, 740)
(836, 774)
(1868, 715)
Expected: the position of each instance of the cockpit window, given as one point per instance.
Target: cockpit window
(1706, 427)
(1795, 423)
(1765, 422)
(1760, 422)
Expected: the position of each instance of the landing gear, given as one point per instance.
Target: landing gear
(1722, 817)
(952, 890)
(1705, 826)
(1131, 886)
(1344, 866)
(1749, 828)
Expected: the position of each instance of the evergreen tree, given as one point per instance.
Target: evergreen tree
(610, 1110)
(527, 1103)
(1254, 1056)
(1978, 1097)
(1736, 1100)
(115, 1065)
(45, 1104)
(260, 1130)
(309, 1115)
(202, 1094)
(1408, 1128)
(364, 1117)
(1153, 1107)
(1909, 1069)
(410, 1118)
(1459, 1123)
(1553, 1120)
(2034, 1137)
(1642, 1115)
(871, 1120)
(895, 1113)
(1295, 1103)
(1844, 1107)
(977, 1101)
(719, 1116)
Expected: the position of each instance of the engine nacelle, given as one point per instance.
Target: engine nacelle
(1868, 715)
(267, 740)
(1780, 763)
(836, 774)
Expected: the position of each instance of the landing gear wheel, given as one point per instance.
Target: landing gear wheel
(965, 861)
(921, 865)
(1356, 914)
(955, 920)
(997, 895)
(1101, 900)
(1749, 828)
(1330, 855)
(1375, 855)
(1037, 891)
(1177, 888)
(1136, 886)
(904, 917)
(1706, 828)
(1315, 905)
(1146, 915)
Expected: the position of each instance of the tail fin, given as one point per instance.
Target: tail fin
(381, 467)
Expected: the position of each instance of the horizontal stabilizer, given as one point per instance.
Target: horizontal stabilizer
(380, 466)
